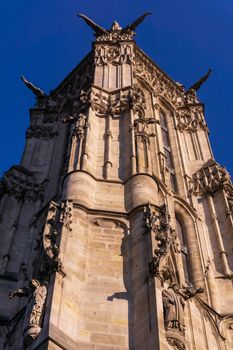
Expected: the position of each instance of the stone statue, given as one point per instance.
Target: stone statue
(173, 305)
(37, 293)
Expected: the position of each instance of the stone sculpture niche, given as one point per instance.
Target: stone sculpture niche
(174, 299)
(36, 293)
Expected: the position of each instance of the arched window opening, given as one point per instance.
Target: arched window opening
(184, 251)
(167, 149)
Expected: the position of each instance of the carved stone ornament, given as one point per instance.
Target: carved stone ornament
(21, 184)
(191, 119)
(176, 344)
(70, 92)
(166, 239)
(173, 305)
(113, 104)
(79, 107)
(157, 81)
(50, 260)
(211, 178)
(80, 127)
(114, 54)
(160, 84)
(36, 293)
(174, 299)
(42, 131)
(142, 128)
(66, 215)
(116, 32)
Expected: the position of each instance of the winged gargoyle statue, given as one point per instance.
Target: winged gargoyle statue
(116, 31)
(196, 86)
(40, 94)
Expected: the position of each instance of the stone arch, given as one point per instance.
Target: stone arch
(166, 103)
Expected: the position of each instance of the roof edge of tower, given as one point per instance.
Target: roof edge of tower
(88, 56)
(176, 86)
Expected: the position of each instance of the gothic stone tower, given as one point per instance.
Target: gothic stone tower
(116, 227)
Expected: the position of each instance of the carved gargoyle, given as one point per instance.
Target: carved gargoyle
(40, 94)
(115, 32)
(196, 86)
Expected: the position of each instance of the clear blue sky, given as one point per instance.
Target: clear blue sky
(44, 40)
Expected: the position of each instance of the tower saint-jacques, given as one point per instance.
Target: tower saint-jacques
(117, 226)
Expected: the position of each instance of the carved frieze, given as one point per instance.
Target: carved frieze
(42, 131)
(210, 179)
(113, 54)
(114, 104)
(21, 184)
(115, 37)
(191, 119)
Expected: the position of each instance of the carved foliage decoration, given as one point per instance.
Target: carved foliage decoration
(21, 184)
(51, 262)
(158, 224)
(66, 215)
(191, 119)
(211, 178)
(115, 35)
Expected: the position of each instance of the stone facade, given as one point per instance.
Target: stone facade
(117, 225)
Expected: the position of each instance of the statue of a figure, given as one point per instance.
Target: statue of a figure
(37, 293)
(173, 305)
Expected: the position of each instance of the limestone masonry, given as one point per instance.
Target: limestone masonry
(116, 227)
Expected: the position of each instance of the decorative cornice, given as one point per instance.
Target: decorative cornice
(22, 185)
(45, 132)
(210, 179)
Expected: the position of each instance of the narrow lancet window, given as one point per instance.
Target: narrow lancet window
(167, 149)
(184, 251)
